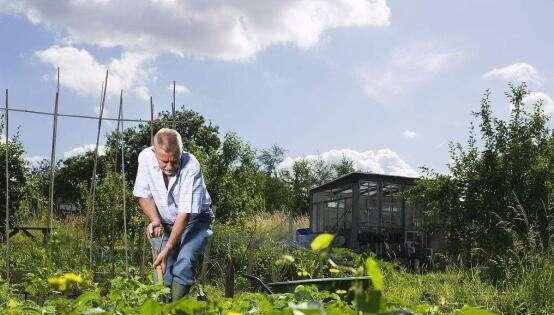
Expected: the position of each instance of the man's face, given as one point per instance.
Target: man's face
(168, 161)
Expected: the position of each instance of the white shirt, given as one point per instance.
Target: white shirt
(185, 193)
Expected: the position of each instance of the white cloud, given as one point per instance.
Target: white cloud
(547, 102)
(84, 149)
(517, 72)
(34, 160)
(409, 134)
(82, 73)
(142, 92)
(407, 67)
(384, 161)
(226, 30)
(179, 89)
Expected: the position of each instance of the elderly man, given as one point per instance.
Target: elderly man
(172, 193)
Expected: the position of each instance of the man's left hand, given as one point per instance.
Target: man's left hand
(161, 259)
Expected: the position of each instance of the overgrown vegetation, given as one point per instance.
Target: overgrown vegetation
(494, 208)
(52, 288)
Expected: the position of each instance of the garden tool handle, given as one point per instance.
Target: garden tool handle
(159, 270)
(159, 274)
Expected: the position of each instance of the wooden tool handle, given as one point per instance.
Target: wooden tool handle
(160, 274)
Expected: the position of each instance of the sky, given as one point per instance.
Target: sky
(385, 83)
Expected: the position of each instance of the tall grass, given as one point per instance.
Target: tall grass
(527, 288)
(278, 225)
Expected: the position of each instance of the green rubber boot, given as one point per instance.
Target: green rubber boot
(178, 291)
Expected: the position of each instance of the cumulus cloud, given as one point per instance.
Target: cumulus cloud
(517, 72)
(84, 149)
(82, 73)
(407, 67)
(409, 134)
(384, 161)
(179, 89)
(35, 160)
(226, 30)
(547, 102)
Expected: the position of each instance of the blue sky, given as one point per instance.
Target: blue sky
(386, 83)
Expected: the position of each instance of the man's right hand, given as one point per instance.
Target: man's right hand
(155, 229)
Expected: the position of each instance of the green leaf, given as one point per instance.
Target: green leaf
(374, 272)
(151, 307)
(12, 303)
(87, 297)
(322, 241)
(371, 301)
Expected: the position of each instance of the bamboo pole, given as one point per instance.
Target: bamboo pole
(71, 115)
(151, 121)
(123, 182)
(7, 212)
(95, 166)
(173, 108)
(53, 158)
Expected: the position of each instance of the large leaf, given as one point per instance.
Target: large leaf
(374, 272)
(322, 241)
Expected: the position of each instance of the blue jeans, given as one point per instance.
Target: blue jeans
(183, 259)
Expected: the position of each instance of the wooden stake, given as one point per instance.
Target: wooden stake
(151, 122)
(95, 166)
(173, 108)
(53, 158)
(123, 182)
(7, 173)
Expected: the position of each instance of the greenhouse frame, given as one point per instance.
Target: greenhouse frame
(367, 211)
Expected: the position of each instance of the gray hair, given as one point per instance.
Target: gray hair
(168, 140)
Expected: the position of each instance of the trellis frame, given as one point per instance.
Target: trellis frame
(55, 115)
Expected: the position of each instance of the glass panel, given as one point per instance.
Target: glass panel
(369, 205)
(392, 205)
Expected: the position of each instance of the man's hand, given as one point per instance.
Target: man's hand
(155, 229)
(161, 259)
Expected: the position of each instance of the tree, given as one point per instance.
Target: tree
(232, 175)
(17, 177)
(322, 171)
(199, 137)
(236, 181)
(270, 158)
(344, 166)
(498, 195)
(73, 172)
(300, 179)
(277, 194)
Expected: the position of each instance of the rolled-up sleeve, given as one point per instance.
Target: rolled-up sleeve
(142, 188)
(192, 193)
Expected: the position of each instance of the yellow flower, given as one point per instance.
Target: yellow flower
(341, 292)
(287, 258)
(302, 273)
(62, 282)
(322, 241)
(55, 280)
(233, 313)
(334, 270)
(59, 282)
(442, 301)
(73, 277)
